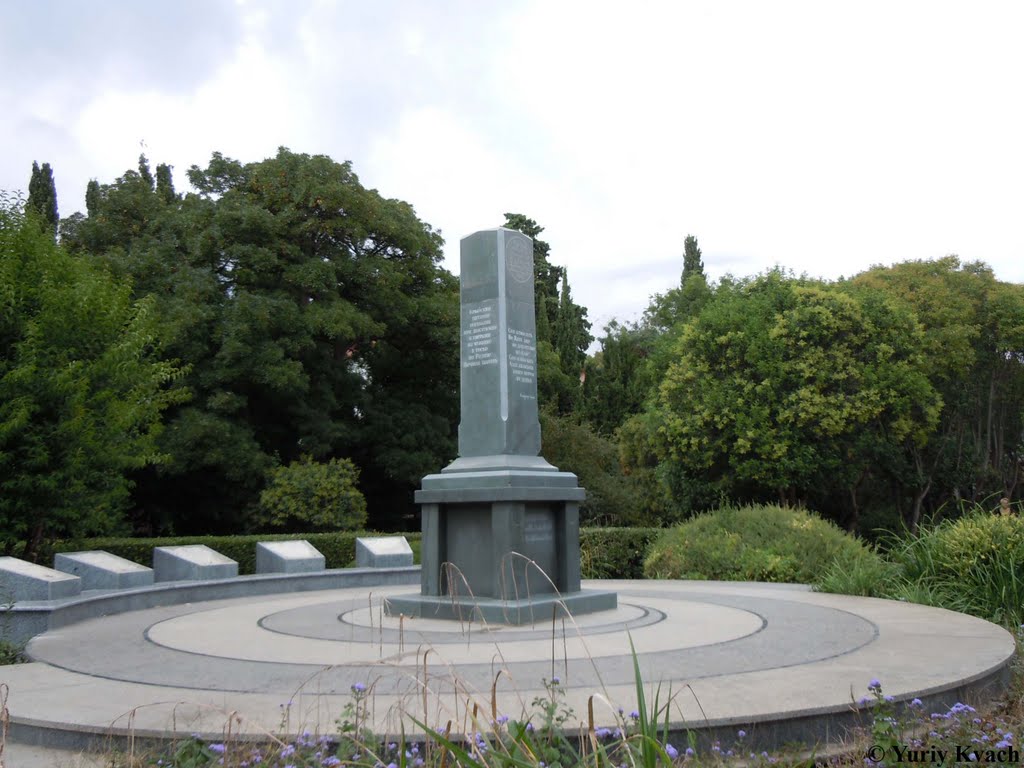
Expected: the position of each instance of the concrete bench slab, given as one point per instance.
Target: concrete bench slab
(383, 552)
(192, 562)
(22, 580)
(288, 557)
(102, 570)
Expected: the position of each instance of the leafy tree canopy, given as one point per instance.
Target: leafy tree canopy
(789, 387)
(318, 321)
(82, 388)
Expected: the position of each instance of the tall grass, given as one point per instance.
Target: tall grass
(974, 564)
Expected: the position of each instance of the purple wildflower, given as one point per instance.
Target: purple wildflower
(671, 751)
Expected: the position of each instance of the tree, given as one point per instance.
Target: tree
(317, 320)
(678, 305)
(571, 331)
(973, 343)
(165, 183)
(82, 389)
(693, 265)
(310, 496)
(545, 275)
(572, 446)
(144, 173)
(617, 382)
(92, 197)
(42, 196)
(793, 388)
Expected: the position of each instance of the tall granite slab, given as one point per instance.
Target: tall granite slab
(102, 570)
(192, 562)
(500, 524)
(22, 580)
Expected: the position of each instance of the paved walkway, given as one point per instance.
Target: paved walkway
(777, 660)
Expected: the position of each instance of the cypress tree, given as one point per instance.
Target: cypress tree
(92, 197)
(42, 195)
(164, 183)
(543, 325)
(144, 172)
(692, 263)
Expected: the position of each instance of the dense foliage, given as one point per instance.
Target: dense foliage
(753, 543)
(310, 316)
(82, 388)
(310, 495)
(973, 564)
(316, 319)
(875, 400)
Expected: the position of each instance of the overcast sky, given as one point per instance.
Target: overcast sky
(821, 136)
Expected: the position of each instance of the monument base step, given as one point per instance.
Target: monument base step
(532, 610)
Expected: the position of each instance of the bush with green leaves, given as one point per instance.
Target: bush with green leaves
(310, 495)
(573, 446)
(615, 553)
(752, 543)
(83, 388)
(973, 564)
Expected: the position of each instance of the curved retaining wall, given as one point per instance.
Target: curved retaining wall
(23, 620)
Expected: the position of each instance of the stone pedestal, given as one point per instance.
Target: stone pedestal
(502, 546)
(500, 524)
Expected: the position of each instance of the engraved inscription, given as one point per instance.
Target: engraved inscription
(480, 338)
(538, 527)
(522, 358)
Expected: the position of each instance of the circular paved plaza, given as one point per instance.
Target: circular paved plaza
(778, 660)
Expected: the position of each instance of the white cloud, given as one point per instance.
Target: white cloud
(824, 137)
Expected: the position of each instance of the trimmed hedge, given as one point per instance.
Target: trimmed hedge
(605, 553)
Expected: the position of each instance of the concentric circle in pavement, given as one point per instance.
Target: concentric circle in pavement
(725, 653)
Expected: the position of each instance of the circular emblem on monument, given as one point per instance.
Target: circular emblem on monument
(519, 257)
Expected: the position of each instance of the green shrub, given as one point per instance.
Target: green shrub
(753, 543)
(309, 495)
(974, 564)
(573, 446)
(615, 553)
(865, 574)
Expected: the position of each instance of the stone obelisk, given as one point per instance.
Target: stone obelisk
(500, 524)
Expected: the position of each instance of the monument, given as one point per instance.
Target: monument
(500, 524)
